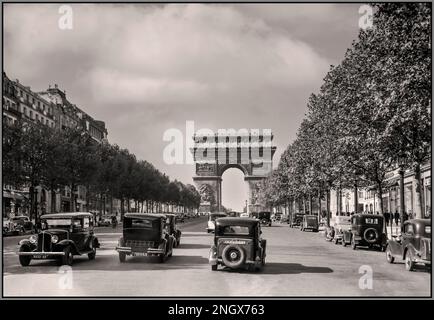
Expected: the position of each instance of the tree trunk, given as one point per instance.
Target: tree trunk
(32, 203)
(356, 198)
(417, 185)
(401, 194)
(328, 206)
(310, 203)
(53, 200)
(72, 198)
(111, 204)
(380, 192)
(319, 204)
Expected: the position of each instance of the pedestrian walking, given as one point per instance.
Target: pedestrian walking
(387, 217)
(396, 218)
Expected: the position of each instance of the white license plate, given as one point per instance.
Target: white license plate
(141, 254)
(40, 256)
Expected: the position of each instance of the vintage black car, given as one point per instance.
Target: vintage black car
(238, 244)
(295, 220)
(413, 245)
(173, 229)
(264, 217)
(366, 230)
(338, 225)
(145, 234)
(310, 222)
(62, 236)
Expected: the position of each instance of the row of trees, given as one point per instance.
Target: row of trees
(36, 155)
(371, 115)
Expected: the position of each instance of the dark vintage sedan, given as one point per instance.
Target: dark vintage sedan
(238, 244)
(413, 245)
(145, 234)
(173, 229)
(310, 222)
(62, 236)
(366, 230)
(295, 220)
(264, 217)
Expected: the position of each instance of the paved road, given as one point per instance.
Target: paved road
(298, 264)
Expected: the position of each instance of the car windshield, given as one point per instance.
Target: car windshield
(238, 230)
(56, 223)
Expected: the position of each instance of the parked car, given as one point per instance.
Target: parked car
(238, 244)
(62, 236)
(264, 217)
(366, 230)
(18, 225)
(173, 229)
(180, 218)
(277, 216)
(338, 225)
(145, 234)
(413, 245)
(105, 221)
(295, 220)
(310, 222)
(211, 220)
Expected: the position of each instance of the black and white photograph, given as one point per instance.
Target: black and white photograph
(216, 150)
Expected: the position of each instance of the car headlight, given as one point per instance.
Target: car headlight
(33, 239)
(54, 239)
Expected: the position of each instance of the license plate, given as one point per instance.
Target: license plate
(40, 256)
(141, 254)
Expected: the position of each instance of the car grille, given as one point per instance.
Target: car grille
(44, 242)
(139, 244)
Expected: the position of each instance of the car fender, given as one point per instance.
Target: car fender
(67, 242)
(25, 242)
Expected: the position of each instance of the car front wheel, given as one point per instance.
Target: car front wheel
(67, 257)
(92, 255)
(122, 257)
(25, 260)
(409, 262)
(353, 244)
(389, 257)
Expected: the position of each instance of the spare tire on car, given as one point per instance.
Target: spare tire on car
(233, 256)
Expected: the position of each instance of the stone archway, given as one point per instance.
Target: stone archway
(246, 152)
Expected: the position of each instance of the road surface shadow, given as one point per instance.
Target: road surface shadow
(192, 246)
(284, 268)
(110, 263)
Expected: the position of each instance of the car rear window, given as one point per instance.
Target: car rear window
(371, 220)
(230, 230)
(141, 223)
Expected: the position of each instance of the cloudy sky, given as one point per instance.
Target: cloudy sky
(146, 68)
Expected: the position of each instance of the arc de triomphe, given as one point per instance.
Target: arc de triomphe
(213, 153)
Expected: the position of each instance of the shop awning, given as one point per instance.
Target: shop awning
(16, 195)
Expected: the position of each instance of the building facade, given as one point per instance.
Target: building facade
(50, 108)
